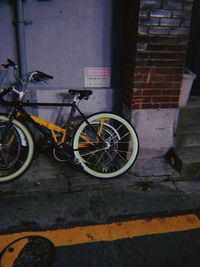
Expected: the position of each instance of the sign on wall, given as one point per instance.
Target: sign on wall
(97, 77)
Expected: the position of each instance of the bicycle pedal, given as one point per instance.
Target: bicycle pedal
(61, 155)
(76, 161)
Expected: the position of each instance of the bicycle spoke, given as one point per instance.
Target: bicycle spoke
(14, 156)
(5, 158)
(114, 163)
(92, 152)
(121, 157)
(122, 151)
(124, 142)
(124, 136)
(120, 146)
(100, 158)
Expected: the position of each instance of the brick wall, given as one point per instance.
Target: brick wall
(152, 72)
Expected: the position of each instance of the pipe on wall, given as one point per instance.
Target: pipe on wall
(21, 44)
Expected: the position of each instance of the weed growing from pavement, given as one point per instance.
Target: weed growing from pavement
(144, 185)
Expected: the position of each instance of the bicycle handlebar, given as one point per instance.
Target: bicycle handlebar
(37, 75)
(10, 63)
(33, 76)
(40, 76)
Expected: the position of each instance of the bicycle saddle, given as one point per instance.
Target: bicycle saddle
(83, 94)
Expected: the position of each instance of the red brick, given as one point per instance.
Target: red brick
(159, 30)
(144, 13)
(142, 70)
(174, 99)
(152, 92)
(142, 99)
(136, 106)
(157, 78)
(173, 78)
(170, 22)
(150, 105)
(164, 39)
(155, 70)
(165, 105)
(168, 105)
(143, 85)
(171, 92)
(141, 78)
(161, 99)
(162, 63)
(178, 71)
(163, 85)
(150, 3)
(158, 55)
(164, 70)
(177, 85)
(160, 13)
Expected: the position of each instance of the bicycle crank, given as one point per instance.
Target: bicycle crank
(61, 155)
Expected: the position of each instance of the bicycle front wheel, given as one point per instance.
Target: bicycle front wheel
(16, 149)
(106, 146)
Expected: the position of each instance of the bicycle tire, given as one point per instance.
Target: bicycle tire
(16, 153)
(114, 154)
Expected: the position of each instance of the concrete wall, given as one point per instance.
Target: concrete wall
(62, 39)
(66, 36)
(7, 32)
(156, 130)
(7, 36)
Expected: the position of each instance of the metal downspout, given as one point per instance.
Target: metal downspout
(21, 38)
(21, 46)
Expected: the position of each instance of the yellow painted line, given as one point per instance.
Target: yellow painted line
(9, 258)
(112, 231)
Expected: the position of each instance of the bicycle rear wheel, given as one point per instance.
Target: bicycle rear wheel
(16, 149)
(107, 146)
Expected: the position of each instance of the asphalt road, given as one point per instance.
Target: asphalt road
(162, 250)
(167, 241)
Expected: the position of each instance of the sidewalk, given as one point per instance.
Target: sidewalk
(53, 194)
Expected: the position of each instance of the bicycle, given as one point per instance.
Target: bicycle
(105, 145)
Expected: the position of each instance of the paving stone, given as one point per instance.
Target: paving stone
(43, 175)
(191, 188)
(85, 182)
(152, 167)
(52, 184)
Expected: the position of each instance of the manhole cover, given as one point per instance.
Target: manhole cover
(31, 251)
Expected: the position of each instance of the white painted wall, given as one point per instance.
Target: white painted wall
(66, 36)
(63, 38)
(7, 37)
(156, 129)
